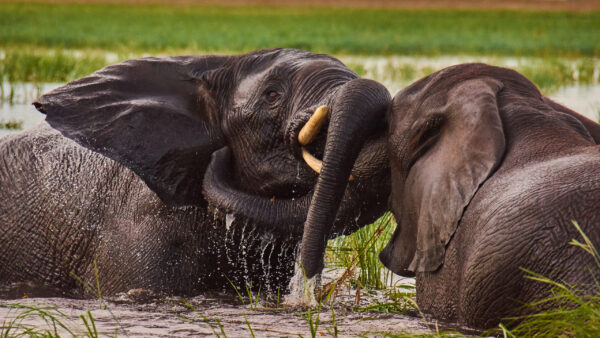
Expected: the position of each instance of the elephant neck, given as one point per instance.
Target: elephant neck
(535, 135)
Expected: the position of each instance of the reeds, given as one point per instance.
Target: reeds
(361, 250)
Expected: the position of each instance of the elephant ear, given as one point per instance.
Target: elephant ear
(153, 115)
(470, 144)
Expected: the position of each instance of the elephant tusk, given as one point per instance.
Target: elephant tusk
(313, 126)
(316, 164)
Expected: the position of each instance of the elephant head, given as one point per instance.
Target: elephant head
(223, 130)
(445, 137)
(416, 154)
(487, 175)
(443, 145)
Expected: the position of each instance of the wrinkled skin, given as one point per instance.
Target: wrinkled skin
(487, 174)
(173, 175)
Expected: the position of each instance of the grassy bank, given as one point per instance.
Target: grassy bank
(153, 28)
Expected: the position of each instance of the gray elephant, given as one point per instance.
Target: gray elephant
(487, 175)
(179, 174)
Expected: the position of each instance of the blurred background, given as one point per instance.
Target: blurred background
(556, 43)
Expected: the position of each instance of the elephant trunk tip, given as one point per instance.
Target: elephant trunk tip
(312, 266)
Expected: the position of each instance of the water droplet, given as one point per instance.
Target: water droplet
(229, 218)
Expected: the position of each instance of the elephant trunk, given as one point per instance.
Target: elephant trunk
(358, 108)
(278, 214)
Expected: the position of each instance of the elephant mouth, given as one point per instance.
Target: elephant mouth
(278, 210)
(307, 135)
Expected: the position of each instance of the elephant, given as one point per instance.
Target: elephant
(179, 175)
(487, 175)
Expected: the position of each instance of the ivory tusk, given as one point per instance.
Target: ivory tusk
(313, 126)
(316, 164)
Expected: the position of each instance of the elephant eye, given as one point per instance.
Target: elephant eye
(272, 96)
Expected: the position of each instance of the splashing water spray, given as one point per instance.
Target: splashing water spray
(302, 290)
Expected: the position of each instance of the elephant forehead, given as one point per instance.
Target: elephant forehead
(309, 67)
(245, 87)
(250, 79)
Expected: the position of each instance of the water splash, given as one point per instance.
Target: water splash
(229, 218)
(302, 290)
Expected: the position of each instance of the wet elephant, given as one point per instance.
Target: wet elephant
(178, 174)
(487, 175)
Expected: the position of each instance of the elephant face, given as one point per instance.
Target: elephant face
(219, 129)
(272, 98)
(444, 141)
(434, 160)
(449, 134)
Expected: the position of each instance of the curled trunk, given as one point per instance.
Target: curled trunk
(278, 214)
(358, 108)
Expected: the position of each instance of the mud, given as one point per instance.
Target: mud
(214, 315)
(170, 317)
(140, 313)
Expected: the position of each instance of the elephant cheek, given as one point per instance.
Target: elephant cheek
(399, 251)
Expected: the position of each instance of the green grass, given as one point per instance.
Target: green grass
(548, 73)
(361, 250)
(44, 65)
(154, 28)
(11, 124)
(57, 323)
(41, 65)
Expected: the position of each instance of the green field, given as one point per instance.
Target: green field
(59, 42)
(155, 28)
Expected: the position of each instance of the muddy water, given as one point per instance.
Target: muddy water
(170, 318)
(208, 315)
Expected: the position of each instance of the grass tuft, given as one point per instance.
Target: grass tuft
(210, 322)
(361, 250)
(57, 323)
(11, 124)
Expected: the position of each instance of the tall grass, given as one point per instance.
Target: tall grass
(328, 30)
(548, 73)
(361, 250)
(43, 65)
(57, 323)
(47, 65)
